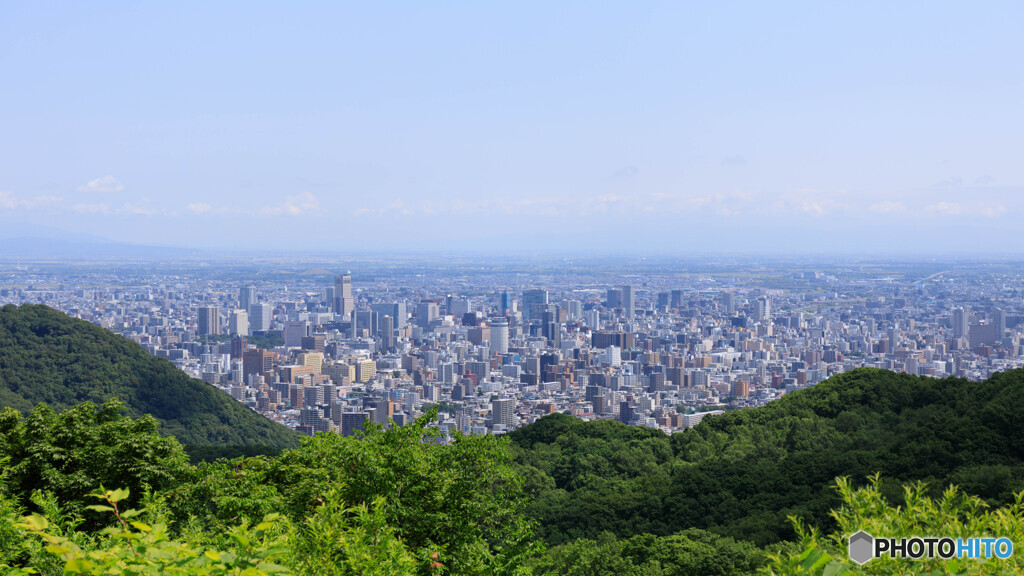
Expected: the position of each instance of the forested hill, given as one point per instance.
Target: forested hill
(741, 473)
(47, 356)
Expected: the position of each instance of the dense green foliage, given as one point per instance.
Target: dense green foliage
(460, 500)
(71, 454)
(743, 473)
(49, 357)
(688, 553)
(395, 501)
(953, 514)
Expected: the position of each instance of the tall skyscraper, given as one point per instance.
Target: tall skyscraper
(628, 302)
(999, 320)
(387, 331)
(531, 298)
(505, 302)
(208, 320)
(246, 296)
(344, 302)
(499, 335)
(961, 322)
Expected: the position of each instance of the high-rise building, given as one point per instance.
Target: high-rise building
(503, 412)
(426, 311)
(294, 332)
(239, 345)
(663, 299)
(387, 332)
(729, 301)
(961, 322)
(367, 320)
(499, 335)
(677, 299)
(260, 317)
(628, 302)
(505, 302)
(257, 362)
(999, 321)
(353, 421)
(762, 309)
(366, 370)
(238, 323)
(344, 302)
(208, 320)
(532, 298)
(614, 298)
(246, 296)
(394, 309)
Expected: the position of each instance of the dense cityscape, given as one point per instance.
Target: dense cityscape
(496, 347)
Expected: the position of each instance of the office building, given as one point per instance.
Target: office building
(238, 323)
(260, 317)
(208, 320)
(503, 412)
(499, 335)
(344, 302)
(533, 298)
(246, 296)
(628, 302)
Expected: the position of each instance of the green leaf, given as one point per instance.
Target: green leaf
(99, 508)
(117, 495)
(36, 522)
(834, 569)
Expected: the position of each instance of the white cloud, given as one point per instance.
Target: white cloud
(888, 207)
(9, 201)
(105, 185)
(294, 205)
(947, 208)
(993, 211)
(135, 210)
(102, 208)
(199, 208)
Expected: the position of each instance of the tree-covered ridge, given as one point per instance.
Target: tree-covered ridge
(49, 357)
(742, 473)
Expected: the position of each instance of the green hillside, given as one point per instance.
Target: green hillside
(742, 473)
(47, 356)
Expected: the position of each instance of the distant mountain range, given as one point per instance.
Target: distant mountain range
(30, 242)
(47, 356)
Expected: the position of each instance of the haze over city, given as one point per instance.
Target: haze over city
(516, 128)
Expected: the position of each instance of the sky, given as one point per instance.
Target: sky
(669, 127)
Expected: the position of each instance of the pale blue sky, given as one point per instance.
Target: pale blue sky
(674, 126)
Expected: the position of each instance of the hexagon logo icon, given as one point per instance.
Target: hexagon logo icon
(861, 547)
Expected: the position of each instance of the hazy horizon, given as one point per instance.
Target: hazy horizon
(655, 128)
